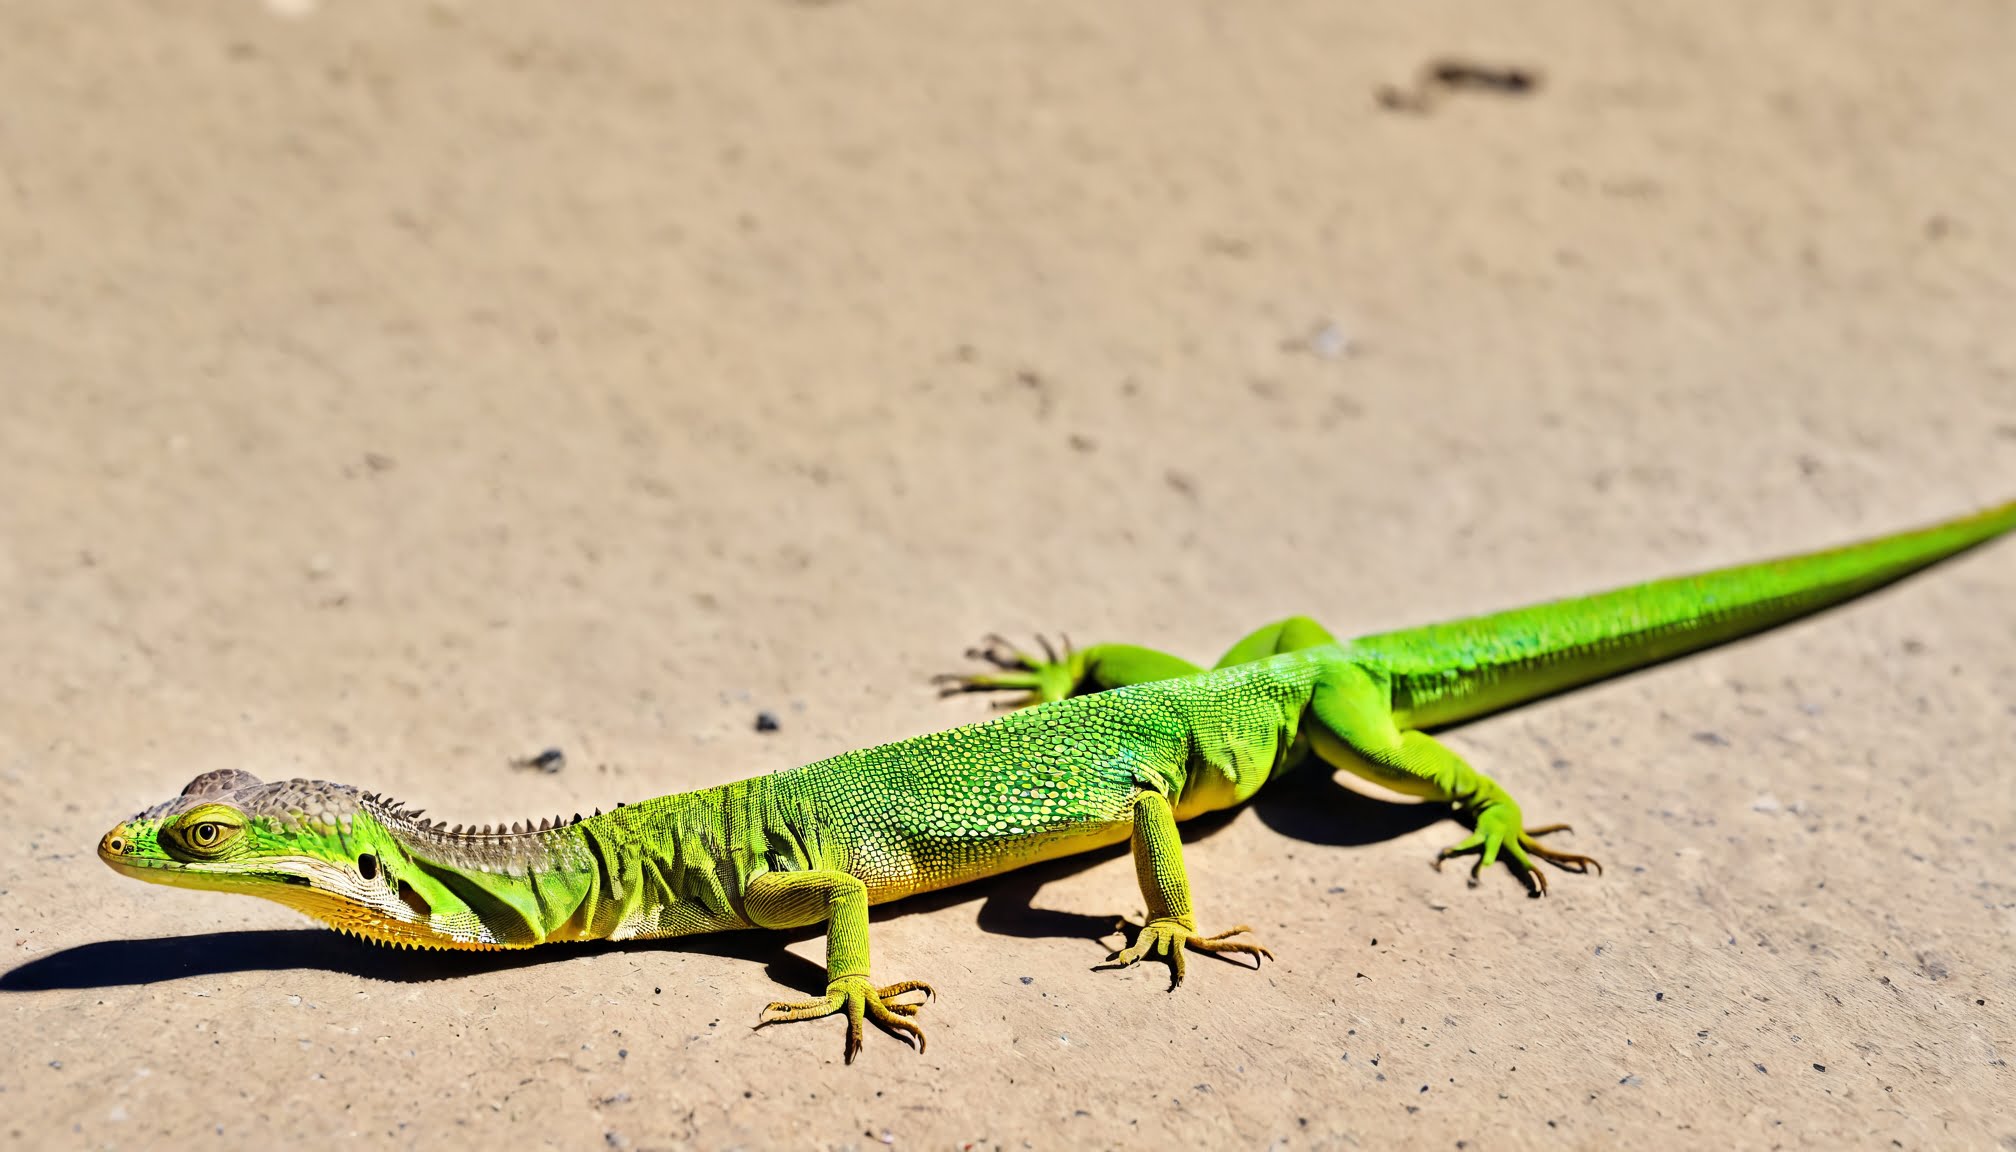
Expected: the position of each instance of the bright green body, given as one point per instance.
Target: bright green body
(1123, 742)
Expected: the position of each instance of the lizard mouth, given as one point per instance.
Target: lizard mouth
(404, 927)
(119, 852)
(213, 876)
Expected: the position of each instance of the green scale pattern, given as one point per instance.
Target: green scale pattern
(1458, 670)
(974, 801)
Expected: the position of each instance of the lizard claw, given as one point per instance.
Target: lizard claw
(1498, 829)
(1566, 861)
(859, 1001)
(995, 649)
(1168, 937)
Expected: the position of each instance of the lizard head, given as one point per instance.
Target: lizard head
(318, 847)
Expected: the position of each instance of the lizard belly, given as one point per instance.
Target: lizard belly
(925, 865)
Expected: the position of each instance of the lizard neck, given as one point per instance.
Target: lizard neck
(419, 883)
(670, 866)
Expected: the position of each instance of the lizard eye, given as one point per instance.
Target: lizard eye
(211, 833)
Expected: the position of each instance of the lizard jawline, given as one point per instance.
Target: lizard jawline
(310, 895)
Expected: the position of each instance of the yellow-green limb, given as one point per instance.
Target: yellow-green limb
(796, 899)
(1165, 885)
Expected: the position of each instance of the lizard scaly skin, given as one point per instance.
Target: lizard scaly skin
(1119, 744)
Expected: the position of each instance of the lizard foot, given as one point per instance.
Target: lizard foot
(1050, 677)
(1498, 828)
(1167, 936)
(860, 1000)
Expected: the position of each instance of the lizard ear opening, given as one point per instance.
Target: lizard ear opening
(415, 901)
(222, 780)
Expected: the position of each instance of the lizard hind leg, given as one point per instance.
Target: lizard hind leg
(1290, 635)
(1353, 729)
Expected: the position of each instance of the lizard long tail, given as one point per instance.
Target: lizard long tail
(1446, 673)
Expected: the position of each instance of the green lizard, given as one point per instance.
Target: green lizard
(1123, 742)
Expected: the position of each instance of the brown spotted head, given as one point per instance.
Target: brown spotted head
(358, 861)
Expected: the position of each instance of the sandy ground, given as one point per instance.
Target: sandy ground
(394, 389)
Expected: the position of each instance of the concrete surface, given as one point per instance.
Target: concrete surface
(392, 389)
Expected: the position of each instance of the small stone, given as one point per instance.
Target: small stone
(1329, 341)
(549, 761)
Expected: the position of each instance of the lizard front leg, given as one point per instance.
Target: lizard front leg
(795, 899)
(1042, 679)
(1050, 676)
(1158, 862)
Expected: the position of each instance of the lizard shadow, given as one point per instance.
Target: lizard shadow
(120, 963)
(1311, 806)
